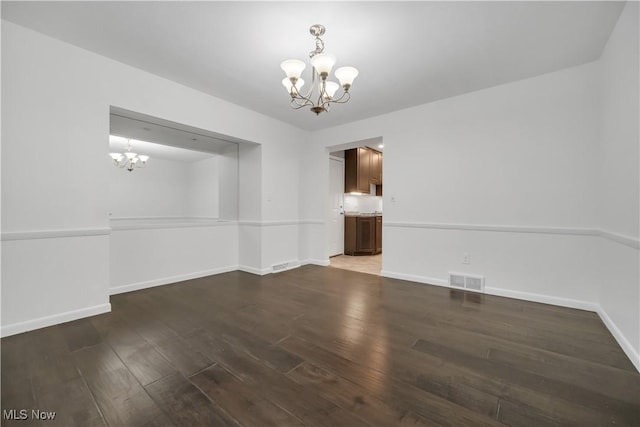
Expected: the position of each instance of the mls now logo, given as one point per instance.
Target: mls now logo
(23, 414)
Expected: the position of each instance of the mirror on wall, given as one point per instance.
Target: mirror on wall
(164, 171)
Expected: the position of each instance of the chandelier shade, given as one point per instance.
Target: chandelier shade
(346, 75)
(322, 92)
(331, 88)
(293, 68)
(290, 87)
(323, 63)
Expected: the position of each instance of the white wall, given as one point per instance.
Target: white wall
(620, 179)
(161, 189)
(250, 208)
(202, 188)
(172, 188)
(517, 157)
(55, 112)
(506, 174)
(164, 227)
(228, 184)
(157, 254)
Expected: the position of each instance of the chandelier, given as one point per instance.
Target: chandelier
(326, 89)
(129, 159)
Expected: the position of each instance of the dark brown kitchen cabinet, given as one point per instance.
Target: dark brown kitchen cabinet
(366, 235)
(357, 170)
(362, 235)
(378, 234)
(363, 166)
(376, 167)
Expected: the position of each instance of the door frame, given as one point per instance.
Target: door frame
(331, 228)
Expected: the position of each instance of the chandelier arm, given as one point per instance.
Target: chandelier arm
(300, 100)
(296, 105)
(296, 95)
(323, 98)
(346, 96)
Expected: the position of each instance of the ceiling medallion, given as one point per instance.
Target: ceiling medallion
(326, 89)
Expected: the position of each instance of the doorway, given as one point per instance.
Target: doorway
(354, 240)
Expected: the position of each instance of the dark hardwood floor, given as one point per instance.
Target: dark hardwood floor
(320, 346)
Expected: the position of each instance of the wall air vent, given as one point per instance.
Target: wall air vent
(466, 281)
(280, 267)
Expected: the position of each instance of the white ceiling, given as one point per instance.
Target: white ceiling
(163, 139)
(118, 144)
(408, 53)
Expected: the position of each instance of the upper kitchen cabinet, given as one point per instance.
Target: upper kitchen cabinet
(376, 167)
(363, 166)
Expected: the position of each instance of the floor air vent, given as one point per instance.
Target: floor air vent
(466, 281)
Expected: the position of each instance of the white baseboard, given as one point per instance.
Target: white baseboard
(320, 262)
(628, 349)
(415, 278)
(545, 299)
(167, 280)
(253, 270)
(527, 296)
(43, 322)
(290, 266)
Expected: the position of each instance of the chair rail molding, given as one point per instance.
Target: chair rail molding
(632, 242)
(54, 233)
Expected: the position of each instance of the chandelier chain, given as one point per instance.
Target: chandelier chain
(319, 47)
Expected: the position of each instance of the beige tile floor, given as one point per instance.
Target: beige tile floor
(371, 264)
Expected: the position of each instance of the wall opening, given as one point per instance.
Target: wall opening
(176, 217)
(355, 214)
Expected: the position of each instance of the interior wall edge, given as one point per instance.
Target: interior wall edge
(55, 319)
(624, 343)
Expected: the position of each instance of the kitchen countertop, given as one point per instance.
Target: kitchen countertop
(363, 214)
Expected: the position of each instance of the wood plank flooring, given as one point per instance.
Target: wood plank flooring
(320, 346)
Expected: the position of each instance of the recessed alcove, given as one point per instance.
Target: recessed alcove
(175, 216)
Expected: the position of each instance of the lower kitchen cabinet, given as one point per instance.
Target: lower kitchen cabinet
(378, 234)
(362, 235)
